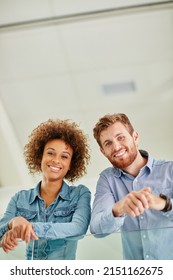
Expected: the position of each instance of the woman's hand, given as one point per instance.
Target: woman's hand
(23, 229)
(9, 241)
(19, 228)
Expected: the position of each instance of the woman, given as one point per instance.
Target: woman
(51, 217)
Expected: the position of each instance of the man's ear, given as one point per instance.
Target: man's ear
(135, 136)
(102, 150)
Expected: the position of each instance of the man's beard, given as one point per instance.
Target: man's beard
(126, 161)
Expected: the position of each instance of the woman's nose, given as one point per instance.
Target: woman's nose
(55, 160)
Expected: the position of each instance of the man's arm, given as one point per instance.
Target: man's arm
(103, 220)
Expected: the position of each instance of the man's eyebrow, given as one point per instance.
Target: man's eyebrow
(107, 140)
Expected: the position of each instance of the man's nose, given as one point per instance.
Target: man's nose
(116, 145)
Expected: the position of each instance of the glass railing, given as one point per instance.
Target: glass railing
(17, 254)
(155, 244)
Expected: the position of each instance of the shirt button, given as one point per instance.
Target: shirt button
(144, 236)
(147, 256)
(47, 227)
(141, 217)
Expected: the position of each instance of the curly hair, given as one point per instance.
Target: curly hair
(109, 120)
(65, 130)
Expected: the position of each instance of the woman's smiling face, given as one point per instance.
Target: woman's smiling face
(56, 159)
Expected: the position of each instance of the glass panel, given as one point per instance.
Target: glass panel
(153, 244)
(100, 248)
(150, 244)
(17, 254)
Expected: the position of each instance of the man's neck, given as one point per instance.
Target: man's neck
(136, 166)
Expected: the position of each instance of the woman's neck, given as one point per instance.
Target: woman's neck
(49, 191)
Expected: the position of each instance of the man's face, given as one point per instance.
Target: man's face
(118, 145)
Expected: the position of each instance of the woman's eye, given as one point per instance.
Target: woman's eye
(49, 153)
(65, 157)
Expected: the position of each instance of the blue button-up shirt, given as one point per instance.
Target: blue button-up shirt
(58, 226)
(148, 236)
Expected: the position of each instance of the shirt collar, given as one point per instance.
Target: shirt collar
(118, 172)
(150, 160)
(64, 192)
(35, 193)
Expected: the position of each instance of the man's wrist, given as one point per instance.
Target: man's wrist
(117, 210)
(168, 203)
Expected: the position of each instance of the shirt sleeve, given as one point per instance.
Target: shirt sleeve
(102, 218)
(77, 227)
(8, 215)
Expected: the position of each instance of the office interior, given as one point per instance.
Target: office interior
(80, 60)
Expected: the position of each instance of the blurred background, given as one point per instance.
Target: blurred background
(79, 60)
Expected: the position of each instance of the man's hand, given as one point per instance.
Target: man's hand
(133, 204)
(155, 202)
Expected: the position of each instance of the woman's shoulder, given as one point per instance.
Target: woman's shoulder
(25, 192)
(79, 188)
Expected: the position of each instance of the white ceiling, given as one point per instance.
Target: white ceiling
(57, 56)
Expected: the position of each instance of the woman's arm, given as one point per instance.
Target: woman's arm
(78, 226)
(12, 228)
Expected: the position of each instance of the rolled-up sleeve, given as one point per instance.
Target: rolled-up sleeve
(102, 218)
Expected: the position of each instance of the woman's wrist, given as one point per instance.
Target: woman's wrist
(9, 225)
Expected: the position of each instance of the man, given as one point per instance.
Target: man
(134, 195)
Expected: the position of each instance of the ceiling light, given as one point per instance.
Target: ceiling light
(118, 88)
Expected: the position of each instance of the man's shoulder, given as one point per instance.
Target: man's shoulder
(162, 162)
(163, 165)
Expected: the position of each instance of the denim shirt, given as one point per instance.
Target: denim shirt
(58, 227)
(148, 236)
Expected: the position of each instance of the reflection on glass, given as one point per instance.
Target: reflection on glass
(150, 244)
(59, 249)
(153, 244)
(17, 254)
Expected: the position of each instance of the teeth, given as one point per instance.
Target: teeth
(55, 168)
(120, 153)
